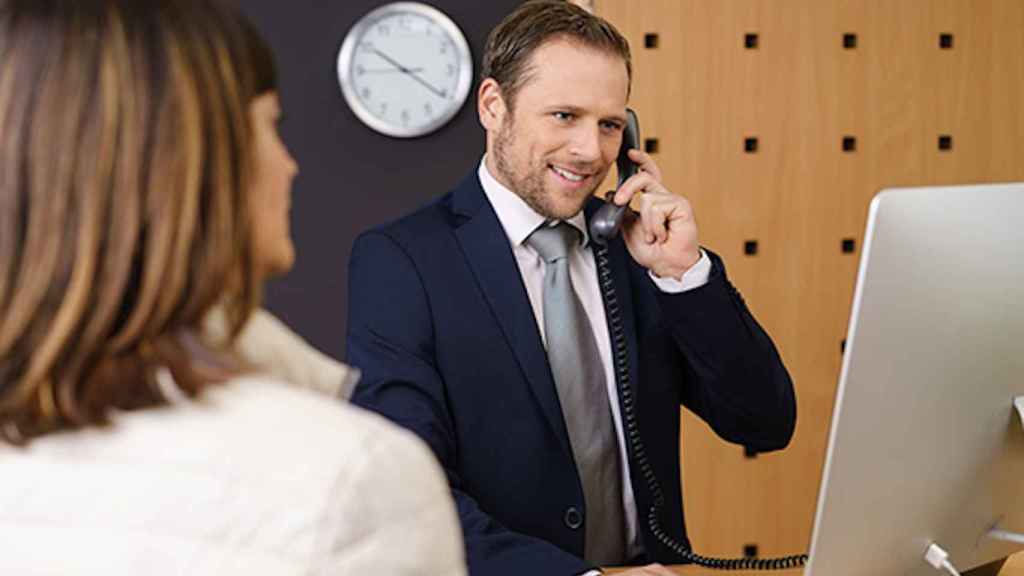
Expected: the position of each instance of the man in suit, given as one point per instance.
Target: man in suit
(544, 370)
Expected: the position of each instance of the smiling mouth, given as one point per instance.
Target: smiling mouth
(568, 175)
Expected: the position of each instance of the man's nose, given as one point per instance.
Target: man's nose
(586, 143)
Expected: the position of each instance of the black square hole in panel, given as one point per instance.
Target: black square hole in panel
(750, 247)
(651, 145)
(945, 142)
(946, 41)
(849, 245)
(750, 145)
(749, 452)
(750, 550)
(750, 41)
(849, 144)
(650, 40)
(849, 41)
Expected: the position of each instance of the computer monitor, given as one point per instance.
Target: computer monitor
(926, 445)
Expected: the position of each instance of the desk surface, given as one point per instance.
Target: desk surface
(1014, 567)
(695, 570)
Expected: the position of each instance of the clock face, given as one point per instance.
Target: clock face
(405, 69)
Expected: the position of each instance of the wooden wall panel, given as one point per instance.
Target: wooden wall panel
(701, 93)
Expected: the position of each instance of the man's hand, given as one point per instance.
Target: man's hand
(662, 236)
(649, 570)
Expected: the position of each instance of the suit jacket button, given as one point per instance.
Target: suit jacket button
(573, 518)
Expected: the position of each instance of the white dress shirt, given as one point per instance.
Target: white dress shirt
(519, 221)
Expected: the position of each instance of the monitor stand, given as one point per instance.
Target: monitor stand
(993, 568)
(990, 569)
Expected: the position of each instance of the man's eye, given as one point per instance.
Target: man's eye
(563, 115)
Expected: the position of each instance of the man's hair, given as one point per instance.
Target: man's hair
(125, 166)
(512, 43)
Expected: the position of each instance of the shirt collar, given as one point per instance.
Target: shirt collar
(516, 216)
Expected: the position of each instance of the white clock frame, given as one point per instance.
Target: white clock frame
(454, 101)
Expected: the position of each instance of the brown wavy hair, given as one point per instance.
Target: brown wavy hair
(511, 43)
(124, 165)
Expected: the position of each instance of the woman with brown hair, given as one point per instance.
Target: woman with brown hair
(266, 342)
(137, 141)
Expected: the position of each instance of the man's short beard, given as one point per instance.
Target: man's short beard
(529, 187)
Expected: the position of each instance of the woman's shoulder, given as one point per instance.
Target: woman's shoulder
(383, 475)
(242, 426)
(254, 458)
(272, 414)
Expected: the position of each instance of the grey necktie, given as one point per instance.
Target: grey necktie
(579, 376)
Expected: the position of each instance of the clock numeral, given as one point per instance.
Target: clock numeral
(405, 117)
(444, 48)
(383, 30)
(366, 46)
(428, 109)
(383, 108)
(365, 93)
(444, 93)
(451, 70)
(360, 70)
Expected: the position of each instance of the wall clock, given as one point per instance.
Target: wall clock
(405, 69)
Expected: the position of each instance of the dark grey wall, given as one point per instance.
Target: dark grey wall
(350, 177)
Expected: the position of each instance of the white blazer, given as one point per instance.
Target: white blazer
(273, 348)
(255, 478)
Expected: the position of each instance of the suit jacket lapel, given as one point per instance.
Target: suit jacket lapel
(487, 250)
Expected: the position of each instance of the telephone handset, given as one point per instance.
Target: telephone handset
(606, 222)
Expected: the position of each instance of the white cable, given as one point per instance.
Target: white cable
(1006, 536)
(938, 558)
(949, 568)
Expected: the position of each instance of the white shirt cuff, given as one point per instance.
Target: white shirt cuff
(592, 573)
(695, 277)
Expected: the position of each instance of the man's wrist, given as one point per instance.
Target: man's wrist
(694, 277)
(677, 273)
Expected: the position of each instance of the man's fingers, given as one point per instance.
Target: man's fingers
(640, 183)
(653, 215)
(658, 211)
(646, 163)
(631, 187)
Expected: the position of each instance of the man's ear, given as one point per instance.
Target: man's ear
(490, 105)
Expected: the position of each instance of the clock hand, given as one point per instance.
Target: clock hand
(410, 72)
(386, 70)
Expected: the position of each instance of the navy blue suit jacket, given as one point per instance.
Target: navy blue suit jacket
(441, 326)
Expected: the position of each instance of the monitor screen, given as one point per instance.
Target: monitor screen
(926, 445)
